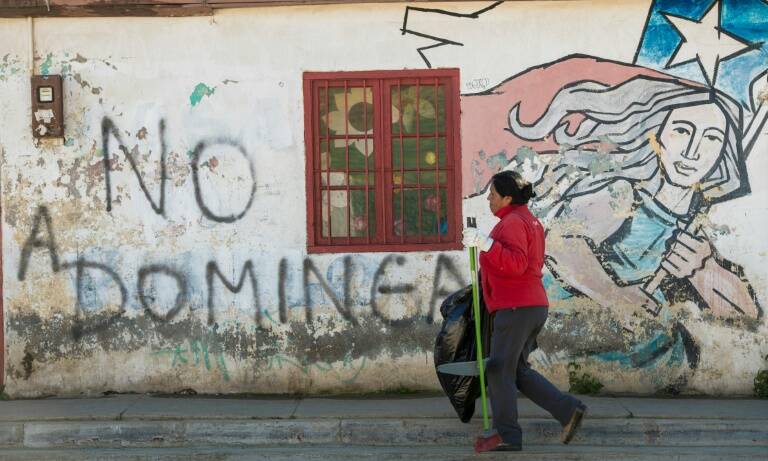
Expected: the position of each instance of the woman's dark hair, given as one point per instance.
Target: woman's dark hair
(510, 184)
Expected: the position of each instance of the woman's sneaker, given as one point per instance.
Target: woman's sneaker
(569, 430)
(494, 443)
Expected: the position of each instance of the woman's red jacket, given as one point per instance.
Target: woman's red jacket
(511, 268)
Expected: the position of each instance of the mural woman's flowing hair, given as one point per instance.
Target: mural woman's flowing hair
(627, 117)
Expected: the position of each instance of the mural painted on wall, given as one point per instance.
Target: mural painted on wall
(627, 160)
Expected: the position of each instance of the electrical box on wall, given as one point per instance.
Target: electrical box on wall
(47, 107)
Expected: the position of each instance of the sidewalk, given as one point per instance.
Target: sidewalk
(703, 428)
(148, 407)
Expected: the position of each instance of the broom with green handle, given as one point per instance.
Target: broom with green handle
(472, 222)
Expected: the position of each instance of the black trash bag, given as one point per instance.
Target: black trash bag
(456, 343)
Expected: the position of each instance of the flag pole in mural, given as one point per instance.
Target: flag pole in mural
(627, 160)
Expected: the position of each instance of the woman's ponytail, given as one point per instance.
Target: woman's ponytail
(528, 192)
(510, 183)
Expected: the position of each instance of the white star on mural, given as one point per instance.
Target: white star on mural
(705, 41)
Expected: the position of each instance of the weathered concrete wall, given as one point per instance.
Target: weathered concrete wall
(113, 279)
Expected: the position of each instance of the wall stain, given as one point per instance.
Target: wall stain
(26, 363)
(67, 337)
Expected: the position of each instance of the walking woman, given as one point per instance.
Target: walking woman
(511, 261)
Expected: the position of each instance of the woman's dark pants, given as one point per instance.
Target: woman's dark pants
(513, 338)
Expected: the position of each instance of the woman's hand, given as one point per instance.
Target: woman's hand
(475, 238)
(688, 254)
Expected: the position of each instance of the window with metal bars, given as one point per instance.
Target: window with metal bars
(383, 163)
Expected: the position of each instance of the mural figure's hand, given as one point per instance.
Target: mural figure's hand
(689, 253)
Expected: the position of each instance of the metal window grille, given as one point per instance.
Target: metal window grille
(383, 169)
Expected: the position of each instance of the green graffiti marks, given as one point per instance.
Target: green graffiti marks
(201, 90)
(195, 354)
(45, 66)
(347, 373)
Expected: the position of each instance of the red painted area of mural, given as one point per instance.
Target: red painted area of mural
(485, 117)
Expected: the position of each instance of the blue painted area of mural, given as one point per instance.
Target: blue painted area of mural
(661, 350)
(746, 19)
(497, 162)
(555, 291)
(640, 251)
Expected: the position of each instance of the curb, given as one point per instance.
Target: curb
(415, 453)
(371, 432)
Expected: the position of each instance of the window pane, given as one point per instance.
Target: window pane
(338, 154)
(428, 177)
(340, 116)
(360, 225)
(357, 213)
(422, 151)
(338, 213)
(405, 218)
(340, 178)
(358, 179)
(412, 203)
(412, 178)
(431, 109)
(397, 212)
(429, 213)
(430, 201)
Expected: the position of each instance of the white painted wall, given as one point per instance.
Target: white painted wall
(139, 71)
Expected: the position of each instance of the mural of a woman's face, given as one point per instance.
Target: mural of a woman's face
(691, 141)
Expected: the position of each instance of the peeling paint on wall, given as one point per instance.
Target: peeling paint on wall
(9, 66)
(45, 66)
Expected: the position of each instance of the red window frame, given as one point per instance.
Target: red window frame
(384, 238)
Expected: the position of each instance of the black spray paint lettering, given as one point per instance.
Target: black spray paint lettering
(213, 269)
(85, 325)
(196, 155)
(478, 84)
(34, 241)
(108, 130)
(82, 325)
(345, 308)
(439, 292)
(282, 305)
(181, 297)
(376, 289)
